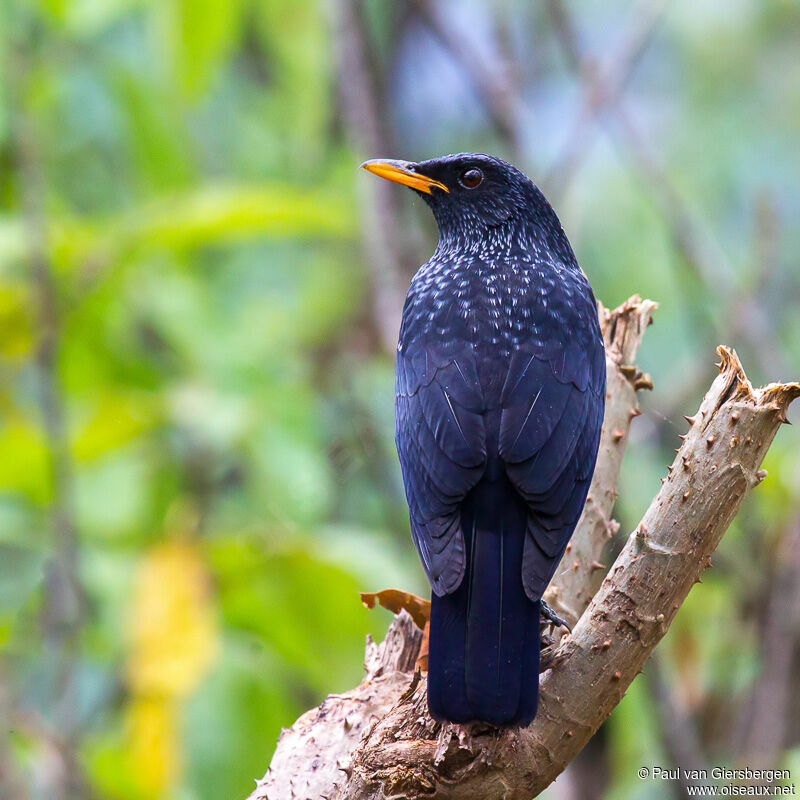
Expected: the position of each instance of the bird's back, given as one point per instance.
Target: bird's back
(496, 354)
(487, 305)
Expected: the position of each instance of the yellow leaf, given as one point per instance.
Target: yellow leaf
(154, 752)
(173, 627)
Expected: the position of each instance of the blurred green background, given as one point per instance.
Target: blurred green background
(199, 294)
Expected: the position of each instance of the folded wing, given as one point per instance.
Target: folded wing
(553, 402)
(441, 442)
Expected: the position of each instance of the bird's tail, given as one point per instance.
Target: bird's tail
(483, 662)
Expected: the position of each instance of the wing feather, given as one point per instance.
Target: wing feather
(441, 442)
(553, 404)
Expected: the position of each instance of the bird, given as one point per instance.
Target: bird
(499, 402)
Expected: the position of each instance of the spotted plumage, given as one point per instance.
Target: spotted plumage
(499, 403)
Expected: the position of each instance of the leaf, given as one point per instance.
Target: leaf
(114, 420)
(16, 322)
(173, 626)
(154, 744)
(202, 217)
(13, 241)
(200, 34)
(250, 696)
(296, 479)
(396, 600)
(298, 46)
(161, 152)
(24, 460)
(298, 604)
(21, 571)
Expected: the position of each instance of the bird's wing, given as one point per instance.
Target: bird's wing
(441, 442)
(553, 401)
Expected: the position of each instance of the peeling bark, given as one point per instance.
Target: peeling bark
(377, 741)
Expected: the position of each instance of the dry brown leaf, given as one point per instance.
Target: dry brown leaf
(395, 599)
(422, 658)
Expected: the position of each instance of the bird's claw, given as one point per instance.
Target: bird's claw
(547, 613)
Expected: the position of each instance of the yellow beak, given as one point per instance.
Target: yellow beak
(402, 172)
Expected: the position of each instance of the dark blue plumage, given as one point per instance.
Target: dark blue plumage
(499, 404)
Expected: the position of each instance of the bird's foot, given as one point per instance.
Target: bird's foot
(550, 653)
(547, 613)
(547, 650)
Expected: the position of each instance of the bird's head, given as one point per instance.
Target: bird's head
(470, 192)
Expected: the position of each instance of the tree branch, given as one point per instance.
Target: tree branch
(11, 786)
(697, 246)
(603, 86)
(580, 572)
(378, 741)
(491, 84)
(64, 604)
(678, 733)
(366, 125)
(771, 703)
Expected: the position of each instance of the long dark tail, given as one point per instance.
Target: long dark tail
(484, 639)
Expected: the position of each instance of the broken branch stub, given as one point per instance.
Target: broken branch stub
(313, 755)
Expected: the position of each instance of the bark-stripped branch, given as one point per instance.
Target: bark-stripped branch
(377, 741)
(580, 571)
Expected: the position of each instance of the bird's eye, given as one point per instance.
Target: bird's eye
(471, 178)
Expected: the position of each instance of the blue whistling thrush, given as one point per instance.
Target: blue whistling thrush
(499, 403)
